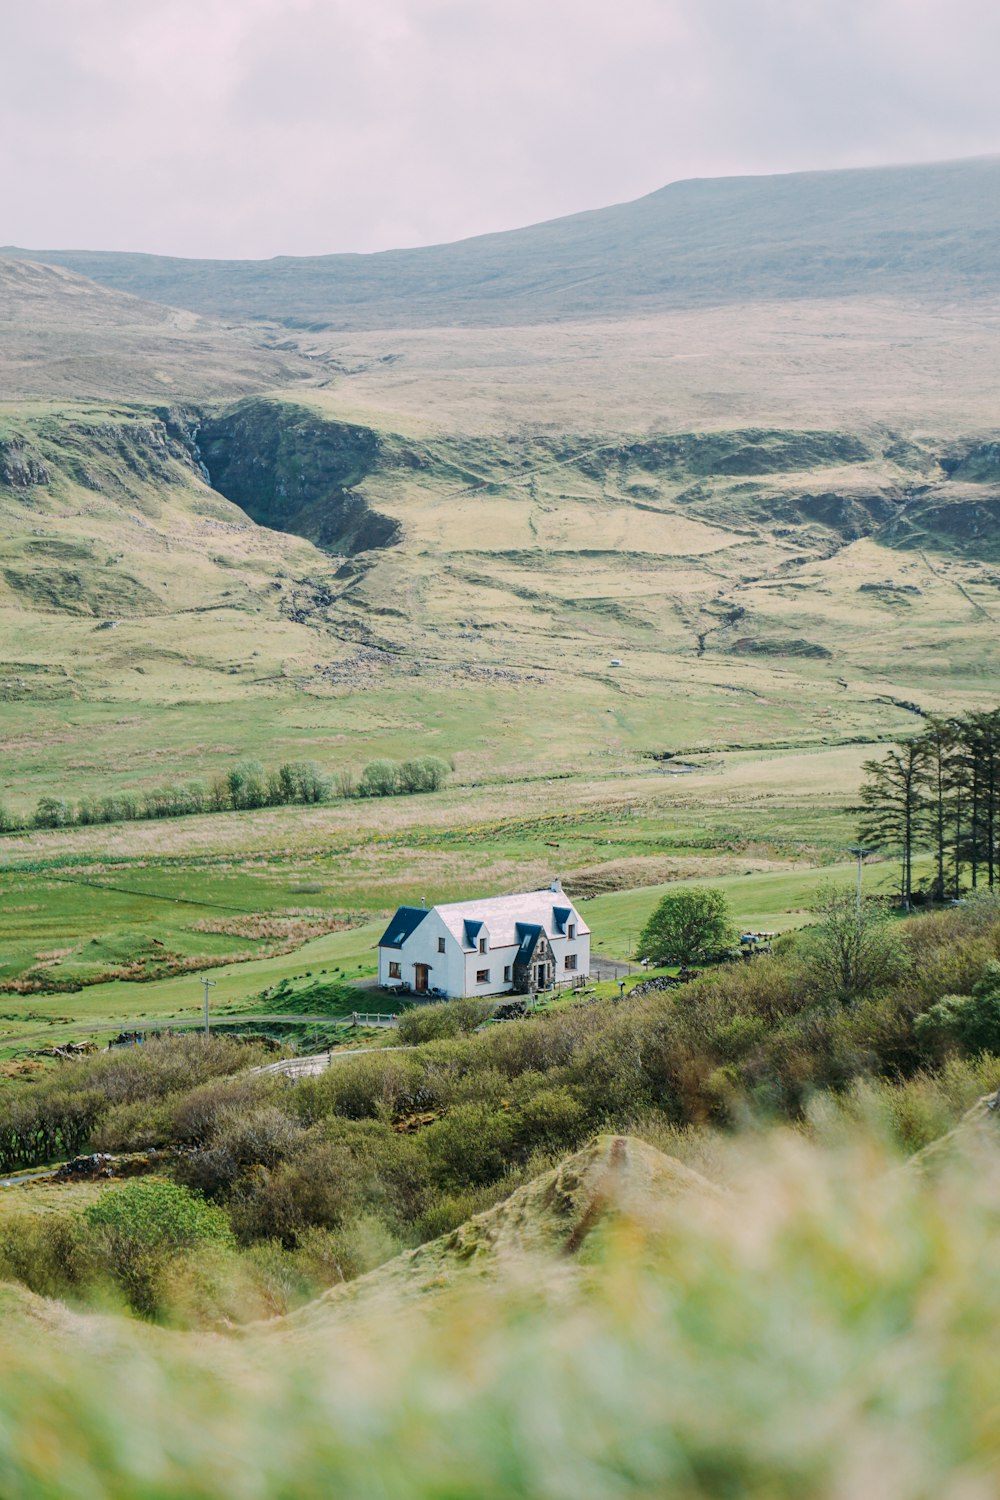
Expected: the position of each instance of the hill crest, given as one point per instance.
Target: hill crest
(926, 232)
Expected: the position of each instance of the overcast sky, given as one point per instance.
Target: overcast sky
(263, 127)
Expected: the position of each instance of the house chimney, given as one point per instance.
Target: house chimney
(556, 886)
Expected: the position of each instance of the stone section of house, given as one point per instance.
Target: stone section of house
(503, 945)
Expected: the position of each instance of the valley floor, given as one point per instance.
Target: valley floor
(138, 912)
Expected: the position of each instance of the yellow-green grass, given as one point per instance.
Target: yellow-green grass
(81, 901)
(47, 1197)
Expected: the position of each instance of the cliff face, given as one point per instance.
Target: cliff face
(293, 471)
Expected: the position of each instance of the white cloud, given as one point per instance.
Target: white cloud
(259, 127)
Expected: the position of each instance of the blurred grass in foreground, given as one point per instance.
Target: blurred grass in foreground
(827, 1327)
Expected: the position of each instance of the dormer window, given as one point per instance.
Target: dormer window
(482, 945)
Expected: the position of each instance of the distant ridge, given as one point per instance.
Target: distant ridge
(924, 232)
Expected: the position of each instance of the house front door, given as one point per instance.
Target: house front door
(420, 973)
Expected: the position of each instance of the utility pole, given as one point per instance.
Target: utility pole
(859, 852)
(209, 984)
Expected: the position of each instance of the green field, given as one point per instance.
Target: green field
(617, 851)
(654, 585)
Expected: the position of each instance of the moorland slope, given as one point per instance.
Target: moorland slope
(64, 336)
(927, 231)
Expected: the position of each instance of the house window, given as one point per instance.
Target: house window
(395, 971)
(482, 976)
(482, 945)
(570, 961)
(572, 929)
(440, 945)
(506, 973)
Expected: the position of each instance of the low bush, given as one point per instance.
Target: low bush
(136, 1231)
(449, 1018)
(970, 1023)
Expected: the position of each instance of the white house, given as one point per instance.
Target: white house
(494, 947)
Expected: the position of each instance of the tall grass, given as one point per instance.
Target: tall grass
(826, 1328)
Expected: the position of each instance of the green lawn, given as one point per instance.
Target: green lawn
(770, 901)
(56, 1017)
(775, 901)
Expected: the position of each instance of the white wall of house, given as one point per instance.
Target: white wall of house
(456, 969)
(497, 962)
(423, 946)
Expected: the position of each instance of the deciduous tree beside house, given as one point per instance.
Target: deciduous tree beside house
(687, 927)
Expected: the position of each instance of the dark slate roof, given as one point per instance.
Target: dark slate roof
(406, 920)
(528, 934)
(560, 916)
(472, 931)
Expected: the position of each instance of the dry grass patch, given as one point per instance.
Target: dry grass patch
(294, 928)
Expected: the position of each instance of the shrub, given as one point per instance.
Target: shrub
(855, 949)
(378, 1087)
(970, 1023)
(49, 1253)
(380, 778)
(53, 812)
(384, 778)
(550, 1118)
(450, 1018)
(152, 1214)
(321, 1187)
(688, 927)
(470, 1146)
(346, 783)
(136, 1229)
(424, 775)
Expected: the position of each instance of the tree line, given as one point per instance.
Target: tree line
(243, 787)
(939, 793)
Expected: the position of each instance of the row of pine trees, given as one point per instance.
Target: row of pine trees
(940, 793)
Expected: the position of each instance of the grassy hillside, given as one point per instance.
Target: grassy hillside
(63, 336)
(469, 594)
(653, 585)
(776, 601)
(828, 1323)
(921, 231)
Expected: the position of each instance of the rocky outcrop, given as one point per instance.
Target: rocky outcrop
(21, 468)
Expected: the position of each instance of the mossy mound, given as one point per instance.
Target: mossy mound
(546, 1227)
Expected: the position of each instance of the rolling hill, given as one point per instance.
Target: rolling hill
(922, 232)
(779, 516)
(64, 336)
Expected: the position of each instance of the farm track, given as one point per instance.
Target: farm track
(154, 1023)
